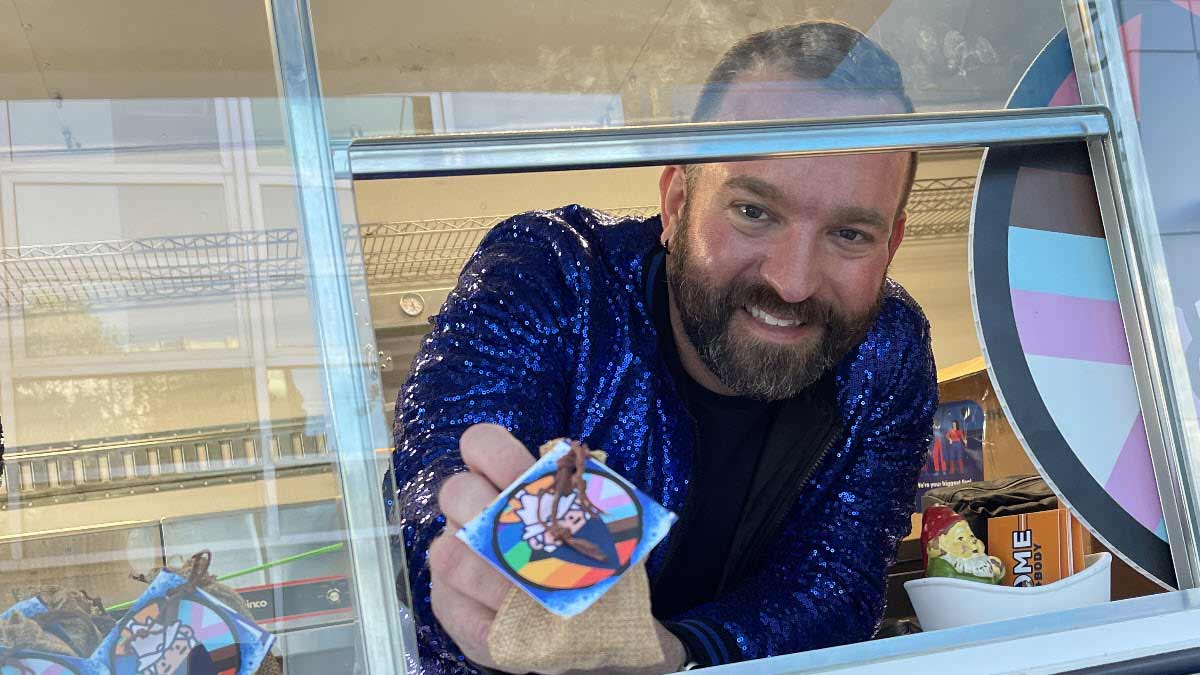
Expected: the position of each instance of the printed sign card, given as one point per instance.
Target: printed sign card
(601, 526)
(956, 454)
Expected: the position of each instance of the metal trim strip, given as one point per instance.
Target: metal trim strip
(525, 151)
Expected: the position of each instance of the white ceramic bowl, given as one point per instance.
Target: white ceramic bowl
(941, 602)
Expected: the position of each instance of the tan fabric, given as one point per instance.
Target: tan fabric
(616, 632)
(18, 632)
(79, 617)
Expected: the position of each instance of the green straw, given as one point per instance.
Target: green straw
(257, 568)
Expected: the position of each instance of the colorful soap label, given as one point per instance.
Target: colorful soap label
(567, 545)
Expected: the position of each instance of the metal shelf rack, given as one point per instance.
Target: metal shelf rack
(108, 274)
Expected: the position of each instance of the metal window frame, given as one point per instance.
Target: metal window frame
(1105, 122)
(524, 151)
(1143, 288)
(340, 313)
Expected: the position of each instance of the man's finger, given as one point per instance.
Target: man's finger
(466, 621)
(489, 449)
(453, 562)
(464, 495)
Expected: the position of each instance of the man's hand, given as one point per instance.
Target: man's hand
(466, 591)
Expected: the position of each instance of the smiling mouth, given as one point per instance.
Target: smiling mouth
(771, 319)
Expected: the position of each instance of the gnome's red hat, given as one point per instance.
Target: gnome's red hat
(934, 523)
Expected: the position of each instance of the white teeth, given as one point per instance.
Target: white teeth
(769, 319)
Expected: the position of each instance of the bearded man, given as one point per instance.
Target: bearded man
(742, 357)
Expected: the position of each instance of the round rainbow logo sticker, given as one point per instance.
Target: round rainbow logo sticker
(172, 632)
(528, 552)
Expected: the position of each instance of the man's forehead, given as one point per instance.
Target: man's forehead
(774, 95)
(778, 177)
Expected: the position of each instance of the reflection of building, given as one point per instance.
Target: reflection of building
(89, 352)
(158, 361)
(119, 286)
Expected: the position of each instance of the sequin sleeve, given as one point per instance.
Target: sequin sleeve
(497, 352)
(823, 582)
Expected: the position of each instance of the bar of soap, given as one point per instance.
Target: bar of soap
(602, 526)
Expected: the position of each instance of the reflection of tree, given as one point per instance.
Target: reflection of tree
(115, 403)
(66, 329)
(64, 409)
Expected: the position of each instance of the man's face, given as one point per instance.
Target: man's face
(776, 267)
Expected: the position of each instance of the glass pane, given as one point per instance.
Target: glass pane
(418, 233)
(1161, 55)
(637, 63)
(162, 389)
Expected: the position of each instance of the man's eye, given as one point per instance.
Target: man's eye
(850, 235)
(752, 212)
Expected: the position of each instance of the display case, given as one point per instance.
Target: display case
(225, 230)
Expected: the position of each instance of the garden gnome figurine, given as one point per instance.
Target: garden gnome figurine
(951, 549)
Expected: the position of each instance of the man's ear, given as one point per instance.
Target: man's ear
(672, 191)
(897, 235)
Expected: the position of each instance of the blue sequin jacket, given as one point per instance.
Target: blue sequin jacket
(548, 334)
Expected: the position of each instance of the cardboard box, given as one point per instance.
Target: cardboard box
(1036, 548)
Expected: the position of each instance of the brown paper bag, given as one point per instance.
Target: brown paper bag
(616, 632)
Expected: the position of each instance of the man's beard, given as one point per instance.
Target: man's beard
(753, 367)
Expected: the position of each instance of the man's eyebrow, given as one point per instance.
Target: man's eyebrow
(756, 186)
(842, 215)
(858, 215)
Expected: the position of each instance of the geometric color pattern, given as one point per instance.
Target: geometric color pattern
(1074, 340)
(1051, 328)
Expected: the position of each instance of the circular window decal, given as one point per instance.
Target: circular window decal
(1051, 328)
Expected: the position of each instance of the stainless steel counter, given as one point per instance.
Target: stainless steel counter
(1151, 634)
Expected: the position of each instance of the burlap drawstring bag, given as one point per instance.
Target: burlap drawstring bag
(618, 631)
(195, 570)
(73, 623)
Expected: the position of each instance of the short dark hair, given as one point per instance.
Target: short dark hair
(831, 54)
(835, 55)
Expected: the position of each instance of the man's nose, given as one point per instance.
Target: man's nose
(791, 266)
